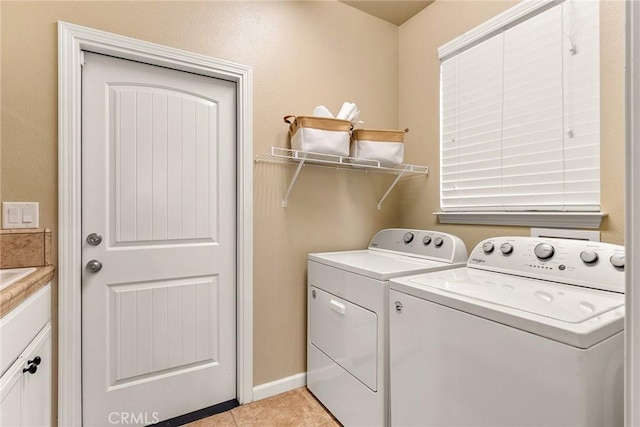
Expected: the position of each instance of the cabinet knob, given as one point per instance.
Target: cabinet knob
(36, 360)
(31, 369)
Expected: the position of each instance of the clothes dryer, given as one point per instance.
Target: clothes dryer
(529, 333)
(347, 344)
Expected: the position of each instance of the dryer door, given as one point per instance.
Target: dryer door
(345, 332)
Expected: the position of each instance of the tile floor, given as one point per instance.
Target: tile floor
(295, 408)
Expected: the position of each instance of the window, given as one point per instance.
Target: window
(520, 112)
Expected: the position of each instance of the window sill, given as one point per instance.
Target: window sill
(527, 219)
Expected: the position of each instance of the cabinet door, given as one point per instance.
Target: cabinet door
(11, 395)
(37, 386)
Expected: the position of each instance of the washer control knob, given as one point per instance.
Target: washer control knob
(408, 237)
(617, 260)
(487, 247)
(506, 248)
(438, 241)
(426, 240)
(544, 251)
(588, 256)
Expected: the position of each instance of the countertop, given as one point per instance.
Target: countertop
(19, 291)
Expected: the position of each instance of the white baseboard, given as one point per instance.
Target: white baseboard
(282, 385)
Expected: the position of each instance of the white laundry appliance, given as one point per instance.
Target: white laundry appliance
(347, 344)
(529, 333)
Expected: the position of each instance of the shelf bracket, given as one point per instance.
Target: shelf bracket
(285, 200)
(302, 158)
(391, 188)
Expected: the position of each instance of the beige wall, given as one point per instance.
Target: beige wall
(302, 54)
(444, 20)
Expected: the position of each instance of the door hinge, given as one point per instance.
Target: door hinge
(82, 60)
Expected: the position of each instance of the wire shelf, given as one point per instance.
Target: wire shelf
(294, 157)
(306, 158)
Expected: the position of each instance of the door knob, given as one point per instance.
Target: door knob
(94, 239)
(94, 266)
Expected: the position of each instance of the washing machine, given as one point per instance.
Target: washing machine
(529, 333)
(347, 344)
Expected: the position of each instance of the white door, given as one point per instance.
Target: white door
(159, 187)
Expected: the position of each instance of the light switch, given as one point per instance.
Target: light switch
(14, 215)
(27, 215)
(20, 215)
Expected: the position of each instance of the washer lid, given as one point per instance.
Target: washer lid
(378, 265)
(570, 314)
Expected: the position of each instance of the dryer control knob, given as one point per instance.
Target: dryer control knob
(487, 247)
(426, 240)
(438, 241)
(506, 248)
(544, 251)
(408, 237)
(588, 256)
(617, 261)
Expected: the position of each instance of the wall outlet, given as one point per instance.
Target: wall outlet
(20, 215)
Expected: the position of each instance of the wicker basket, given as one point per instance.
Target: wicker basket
(386, 146)
(319, 134)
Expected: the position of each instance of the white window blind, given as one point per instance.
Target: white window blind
(520, 116)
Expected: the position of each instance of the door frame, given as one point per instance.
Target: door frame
(632, 215)
(72, 41)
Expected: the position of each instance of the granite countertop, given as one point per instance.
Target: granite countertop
(19, 291)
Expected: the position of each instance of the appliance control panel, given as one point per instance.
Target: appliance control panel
(590, 264)
(425, 244)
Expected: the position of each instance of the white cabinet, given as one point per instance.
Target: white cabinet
(25, 387)
(11, 396)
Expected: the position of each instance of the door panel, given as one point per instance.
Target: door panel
(158, 183)
(165, 169)
(160, 327)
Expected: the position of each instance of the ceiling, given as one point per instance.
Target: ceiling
(394, 11)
